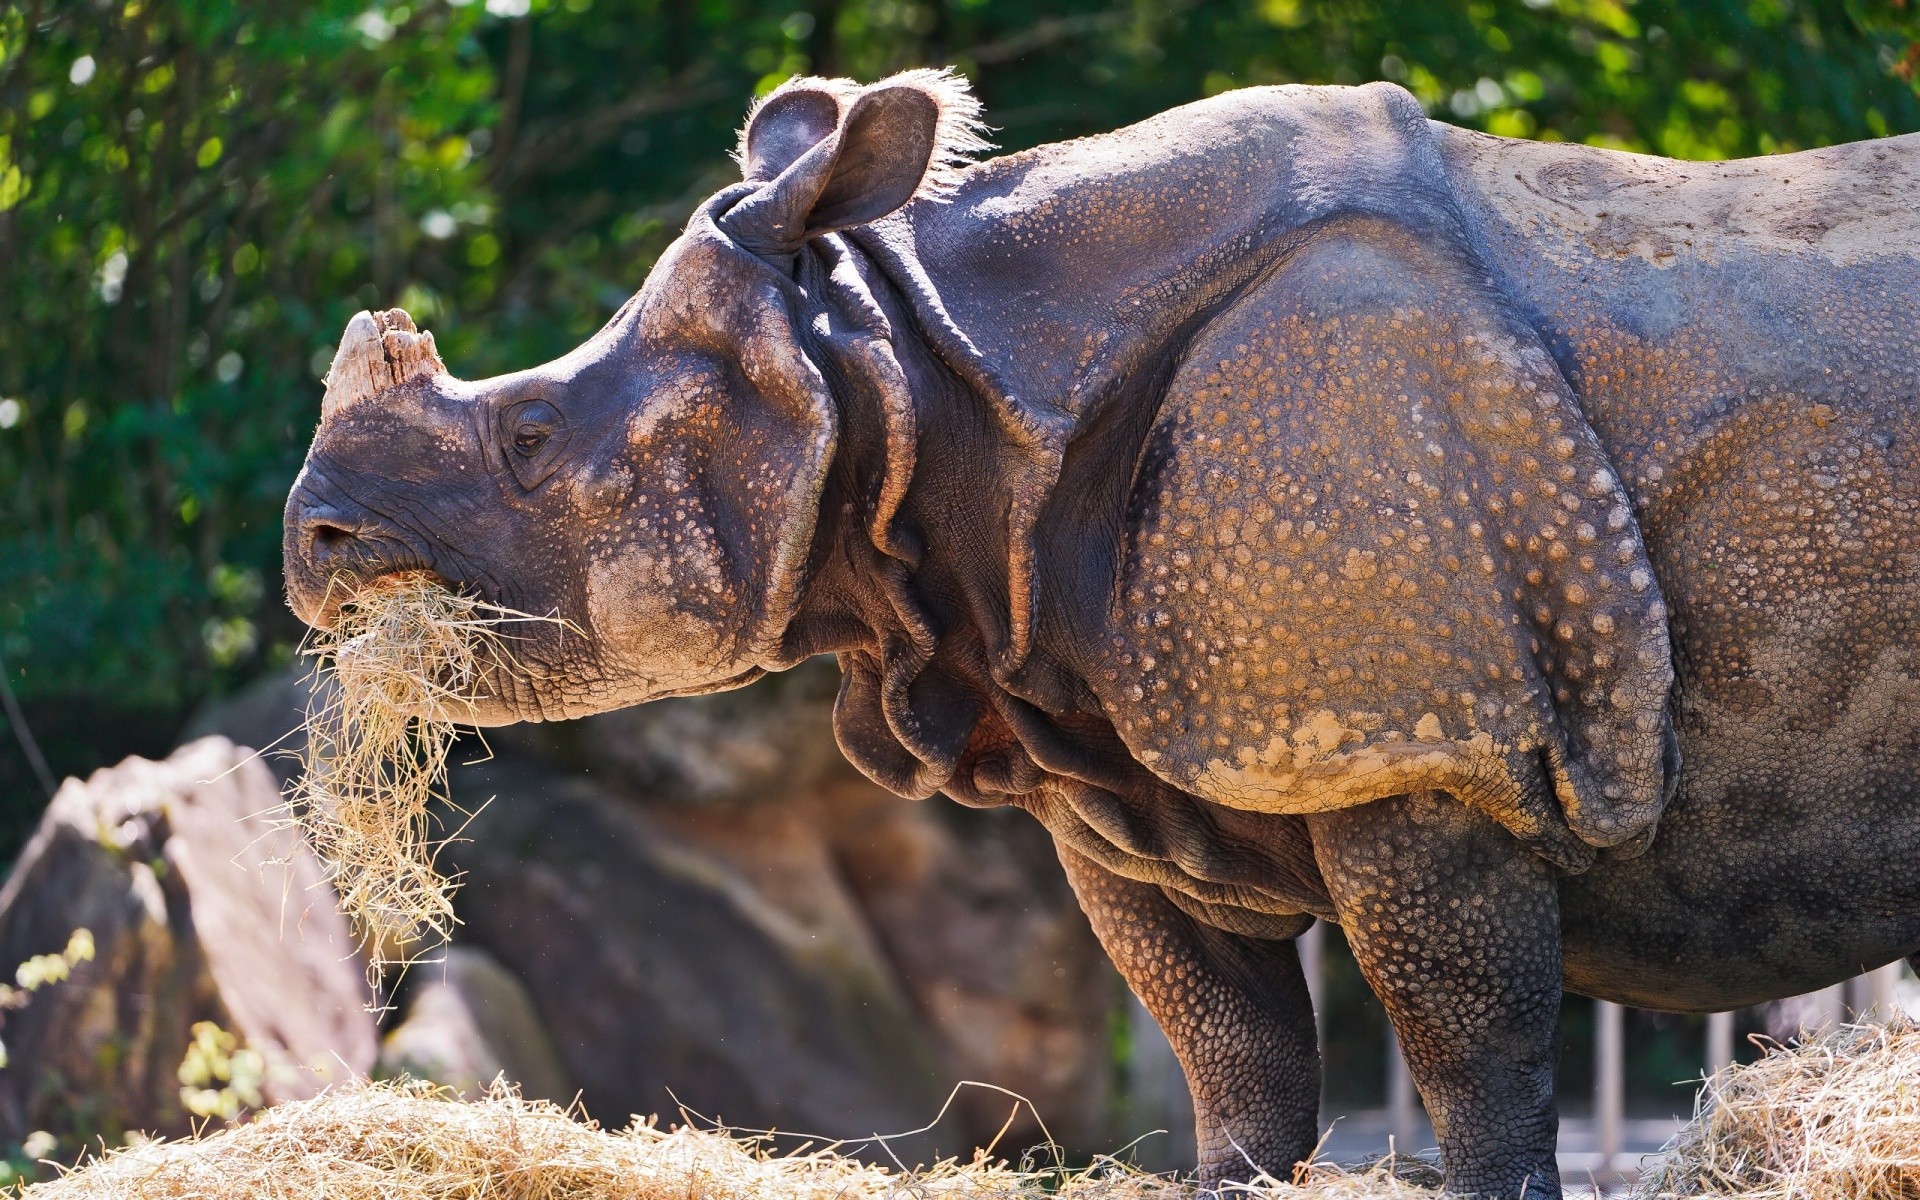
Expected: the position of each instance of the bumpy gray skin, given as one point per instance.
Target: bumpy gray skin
(1304, 509)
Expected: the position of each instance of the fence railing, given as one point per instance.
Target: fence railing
(1873, 991)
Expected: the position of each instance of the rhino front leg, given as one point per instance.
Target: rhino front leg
(1456, 927)
(1237, 1013)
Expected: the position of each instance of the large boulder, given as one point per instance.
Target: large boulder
(202, 908)
(727, 750)
(969, 909)
(986, 937)
(950, 931)
(744, 987)
(268, 714)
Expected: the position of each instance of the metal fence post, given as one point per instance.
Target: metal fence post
(1829, 1007)
(1873, 992)
(1400, 1098)
(1610, 1081)
(1719, 1041)
(1312, 946)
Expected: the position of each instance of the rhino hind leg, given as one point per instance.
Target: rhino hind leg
(1237, 1013)
(1456, 927)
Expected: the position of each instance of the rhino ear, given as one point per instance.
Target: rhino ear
(835, 158)
(884, 151)
(863, 170)
(785, 126)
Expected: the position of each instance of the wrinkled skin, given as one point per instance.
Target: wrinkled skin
(1305, 510)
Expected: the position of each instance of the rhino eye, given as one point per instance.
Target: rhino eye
(536, 436)
(533, 425)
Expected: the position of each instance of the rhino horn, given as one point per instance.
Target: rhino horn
(377, 352)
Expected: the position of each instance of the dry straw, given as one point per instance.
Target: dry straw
(398, 674)
(1836, 1117)
(405, 1141)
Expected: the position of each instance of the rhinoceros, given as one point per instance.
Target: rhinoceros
(1305, 509)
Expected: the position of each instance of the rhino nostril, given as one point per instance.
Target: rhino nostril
(327, 539)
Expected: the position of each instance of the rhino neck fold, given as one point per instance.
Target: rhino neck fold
(923, 568)
(955, 610)
(933, 574)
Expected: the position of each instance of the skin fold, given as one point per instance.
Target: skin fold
(1303, 509)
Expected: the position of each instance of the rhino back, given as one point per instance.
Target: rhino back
(1743, 338)
(1684, 301)
(1073, 266)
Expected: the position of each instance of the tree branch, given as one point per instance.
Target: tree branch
(549, 145)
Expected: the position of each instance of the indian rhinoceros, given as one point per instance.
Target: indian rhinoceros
(1303, 508)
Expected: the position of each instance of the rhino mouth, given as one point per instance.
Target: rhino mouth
(345, 588)
(422, 646)
(333, 559)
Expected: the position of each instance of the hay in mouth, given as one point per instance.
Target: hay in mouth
(397, 675)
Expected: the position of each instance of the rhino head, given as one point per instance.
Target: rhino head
(659, 487)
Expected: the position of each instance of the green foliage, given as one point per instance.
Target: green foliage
(22, 1164)
(219, 1077)
(206, 191)
(40, 971)
(195, 195)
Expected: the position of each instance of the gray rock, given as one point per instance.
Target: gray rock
(469, 1021)
(958, 921)
(727, 749)
(268, 714)
(978, 921)
(201, 909)
(743, 986)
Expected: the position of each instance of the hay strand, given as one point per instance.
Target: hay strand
(397, 675)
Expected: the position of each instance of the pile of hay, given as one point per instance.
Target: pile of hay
(397, 675)
(405, 1141)
(1836, 1117)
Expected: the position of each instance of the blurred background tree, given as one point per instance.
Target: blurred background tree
(195, 195)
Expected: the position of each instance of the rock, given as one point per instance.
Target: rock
(717, 750)
(201, 910)
(671, 975)
(978, 920)
(726, 749)
(961, 917)
(268, 714)
(959, 921)
(469, 1021)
